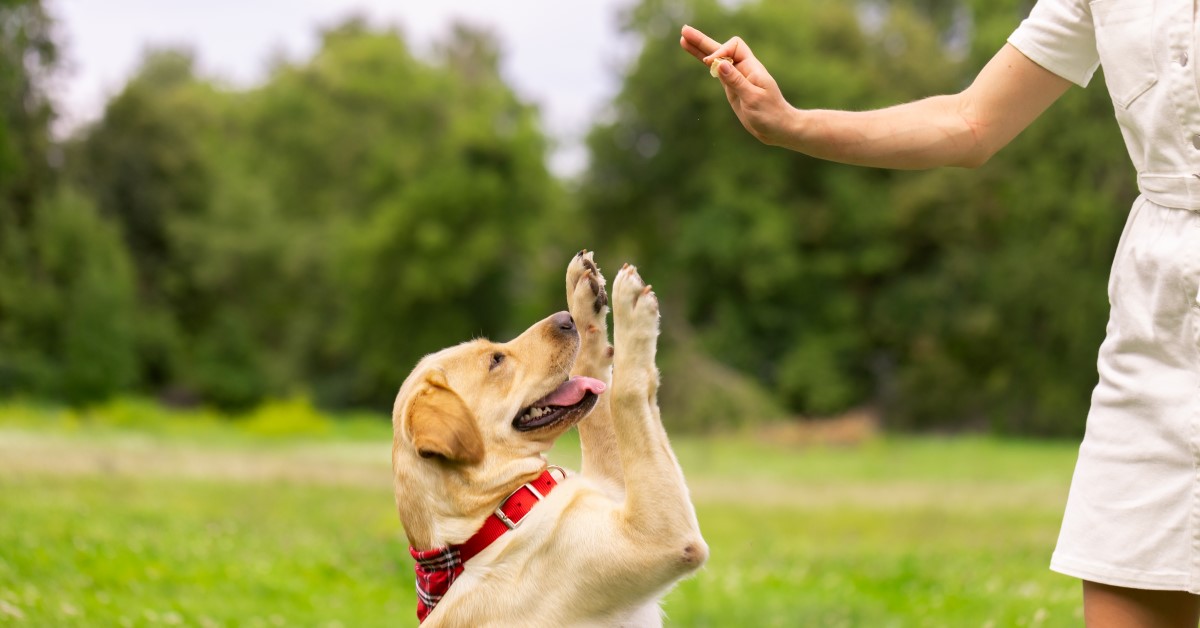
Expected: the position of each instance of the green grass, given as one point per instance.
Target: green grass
(188, 521)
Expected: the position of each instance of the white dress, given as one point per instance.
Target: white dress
(1133, 515)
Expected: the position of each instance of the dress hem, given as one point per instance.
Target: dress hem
(1120, 577)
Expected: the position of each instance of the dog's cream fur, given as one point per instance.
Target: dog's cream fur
(607, 543)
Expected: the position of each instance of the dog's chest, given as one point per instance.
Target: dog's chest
(544, 572)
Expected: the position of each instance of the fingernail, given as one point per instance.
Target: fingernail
(725, 68)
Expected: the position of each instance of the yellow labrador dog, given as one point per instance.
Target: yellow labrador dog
(500, 538)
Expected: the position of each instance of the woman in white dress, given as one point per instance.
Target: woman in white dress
(1131, 530)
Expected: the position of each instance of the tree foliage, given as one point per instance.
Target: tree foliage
(328, 228)
(948, 297)
(28, 55)
(65, 278)
(318, 233)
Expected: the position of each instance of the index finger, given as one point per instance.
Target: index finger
(697, 43)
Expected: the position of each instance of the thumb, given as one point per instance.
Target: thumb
(730, 76)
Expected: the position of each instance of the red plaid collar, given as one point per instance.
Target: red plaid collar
(438, 568)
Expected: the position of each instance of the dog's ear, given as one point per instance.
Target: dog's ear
(441, 425)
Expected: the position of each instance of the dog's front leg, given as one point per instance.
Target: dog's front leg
(588, 304)
(657, 507)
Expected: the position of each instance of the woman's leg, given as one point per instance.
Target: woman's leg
(1106, 606)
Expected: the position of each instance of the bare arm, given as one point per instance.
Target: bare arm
(963, 129)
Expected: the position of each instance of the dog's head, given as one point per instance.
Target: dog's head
(471, 423)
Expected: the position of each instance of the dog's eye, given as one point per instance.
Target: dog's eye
(497, 360)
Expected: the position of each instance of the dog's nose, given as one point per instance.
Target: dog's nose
(563, 322)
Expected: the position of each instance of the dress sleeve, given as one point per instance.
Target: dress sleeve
(1059, 36)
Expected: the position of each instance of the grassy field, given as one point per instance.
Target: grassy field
(135, 520)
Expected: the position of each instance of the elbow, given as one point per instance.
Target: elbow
(683, 557)
(975, 158)
(975, 146)
(977, 138)
(694, 554)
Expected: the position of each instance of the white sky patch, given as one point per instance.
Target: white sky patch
(558, 55)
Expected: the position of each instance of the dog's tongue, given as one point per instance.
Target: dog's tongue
(572, 392)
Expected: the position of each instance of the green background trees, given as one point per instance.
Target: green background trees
(951, 298)
(318, 233)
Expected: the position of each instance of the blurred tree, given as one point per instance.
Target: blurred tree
(142, 164)
(939, 294)
(28, 57)
(80, 299)
(771, 254)
(327, 229)
(366, 206)
(1009, 265)
(420, 190)
(65, 283)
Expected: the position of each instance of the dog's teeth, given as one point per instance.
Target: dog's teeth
(534, 413)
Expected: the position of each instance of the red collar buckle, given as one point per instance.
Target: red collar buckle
(512, 511)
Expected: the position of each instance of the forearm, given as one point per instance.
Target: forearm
(923, 134)
(963, 129)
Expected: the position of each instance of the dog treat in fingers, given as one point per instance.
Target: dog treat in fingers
(715, 68)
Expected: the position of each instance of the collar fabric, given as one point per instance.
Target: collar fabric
(439, 567)
(436, 571)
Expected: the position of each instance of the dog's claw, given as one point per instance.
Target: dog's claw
(645, 290)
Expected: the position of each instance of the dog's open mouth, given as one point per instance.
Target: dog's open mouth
(570, 401)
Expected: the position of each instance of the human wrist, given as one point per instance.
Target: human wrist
(791, 129)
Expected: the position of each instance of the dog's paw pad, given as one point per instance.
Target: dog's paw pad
(597, 287)
(635, 315)
(586, 296)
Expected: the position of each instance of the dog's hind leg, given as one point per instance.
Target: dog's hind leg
(657, 505)
(588, 303)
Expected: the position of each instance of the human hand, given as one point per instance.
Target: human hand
(750, 89)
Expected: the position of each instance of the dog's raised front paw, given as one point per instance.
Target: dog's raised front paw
(588, 303)
(586, 297)
(635, 309)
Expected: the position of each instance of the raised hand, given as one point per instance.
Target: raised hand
(752, 92)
